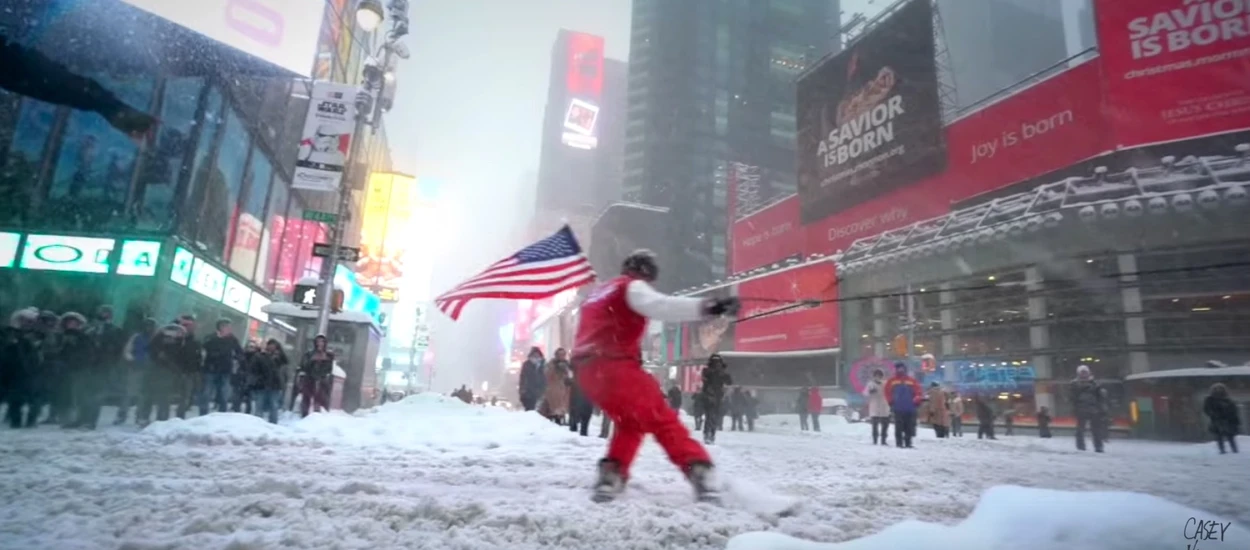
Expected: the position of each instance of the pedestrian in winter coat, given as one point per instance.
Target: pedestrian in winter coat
(715, 379)
(1090, 401)
(674, 397)
(939, 415)
(904, 395)
(1009, 417)
(265, 367)
(1043, 423)
(985, 418)
(737, 407)
(110, 341)
(19, 365)
(190, 381)
(698, 410)
(878, 407)
(1225, 423)
(580, 407)
(136, 363)
(77, 351)
(815, 403)
(800, 406)
(316, 370)
(750, 408)
(956, 407)
(49, 377)
(222, 355)
(243, 379)
(165, 351)
(532, 379)
(556, 393)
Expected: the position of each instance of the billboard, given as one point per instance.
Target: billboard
(583, 81)
(869, 120)
(1174, 68)
(327, 137)
(1048, 126)
(385, 233)
(282, 32)
(769, 235)
(792, 328)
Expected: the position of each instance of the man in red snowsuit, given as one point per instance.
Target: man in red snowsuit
(607, 359)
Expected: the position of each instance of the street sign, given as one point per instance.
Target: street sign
(318, 216)
(346, 253)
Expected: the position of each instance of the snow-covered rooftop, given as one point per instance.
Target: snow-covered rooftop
(288, 309)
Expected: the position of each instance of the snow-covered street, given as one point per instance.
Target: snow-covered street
(432, 473)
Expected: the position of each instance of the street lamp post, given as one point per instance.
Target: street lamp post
(368, 113)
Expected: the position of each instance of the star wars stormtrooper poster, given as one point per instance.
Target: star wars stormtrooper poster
(327, 137)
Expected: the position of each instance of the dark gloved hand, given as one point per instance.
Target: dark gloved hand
(721, 306)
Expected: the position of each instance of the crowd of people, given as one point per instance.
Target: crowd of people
(550, 387)
(61, 369)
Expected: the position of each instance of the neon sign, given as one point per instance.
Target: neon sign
(8, 248)
(138, 258)
(60, 253)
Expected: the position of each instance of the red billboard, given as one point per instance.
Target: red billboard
(584, 77)
(1175, 69)
(766, 236)
(1048, 126)
(797, 328)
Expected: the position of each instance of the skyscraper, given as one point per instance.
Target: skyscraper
(713, 83)
(583, 134)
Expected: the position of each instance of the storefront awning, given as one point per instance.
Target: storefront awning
(779, 354)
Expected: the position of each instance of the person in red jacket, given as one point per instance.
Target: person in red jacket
(814, 404)
(607, 359)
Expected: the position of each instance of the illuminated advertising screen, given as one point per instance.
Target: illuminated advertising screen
(138, 258)
(206, 279)
(256, 307)
(584, 86)
(385, 233)
(60, 253)
(181, 272)
(237, 295)
(8, 248)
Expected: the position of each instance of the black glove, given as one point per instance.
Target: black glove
(721, 306)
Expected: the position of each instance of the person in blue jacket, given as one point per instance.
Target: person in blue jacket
(904, 395)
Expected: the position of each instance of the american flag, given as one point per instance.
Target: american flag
(545, 268)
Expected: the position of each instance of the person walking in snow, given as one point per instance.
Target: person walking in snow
(110, 342)
(556, 393)
(244, 379)
(815, 403)
(1090, 401)
(956, 407)
(532, 382)
(77, 350)
(580, 408)
(191, 367)
(878, 407)
(750, 408)
(265, 368)
(222, 355)
(612, 323)
(1221, 411)
(985, 418)
(674, 397)
(800, 406)
(19, 364)
(904, 395)
(165, 350)
(939, 415)
(316, 370)
(736, 406)
(715, 380)
(1043, 423)
(135, 358)
(697, 409)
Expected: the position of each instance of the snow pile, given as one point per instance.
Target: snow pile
(422, 421)
(1041, 519)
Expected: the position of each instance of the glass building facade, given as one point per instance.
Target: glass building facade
(214, 177)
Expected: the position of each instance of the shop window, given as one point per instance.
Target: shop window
(201, 168)
(292, 242)
(154, 199)
(218, 212)
(1088, 334)
(271, 240)
(1204, 329)
(93, 172)
(20, 173)
(246, 242)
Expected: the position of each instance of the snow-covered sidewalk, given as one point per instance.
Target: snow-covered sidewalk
(430, 472)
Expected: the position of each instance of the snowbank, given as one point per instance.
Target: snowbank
(1022, 518)
(428, 421)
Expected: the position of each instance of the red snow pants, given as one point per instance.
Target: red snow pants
(636, 404)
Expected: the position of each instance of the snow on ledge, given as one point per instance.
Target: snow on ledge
(1020, 518)
(288, 309)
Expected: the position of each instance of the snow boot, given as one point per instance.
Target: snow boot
(610, 483)
(702, 478)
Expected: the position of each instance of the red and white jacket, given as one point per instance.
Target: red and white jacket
(612, 321)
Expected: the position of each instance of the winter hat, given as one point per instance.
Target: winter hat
(1218, 389)
(900, 366)
(1082, 370)
(24, 316)
(75, 316)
